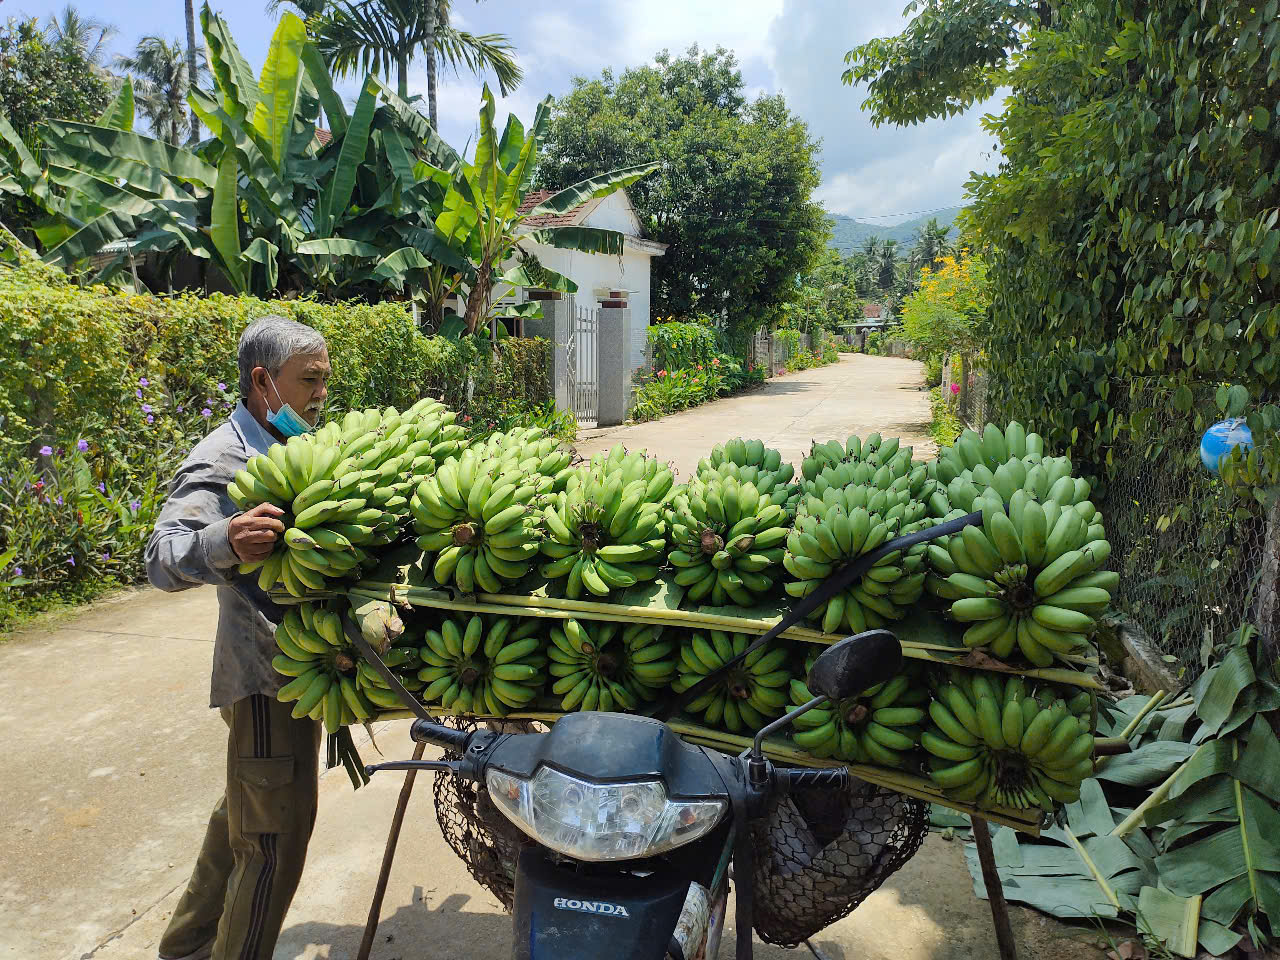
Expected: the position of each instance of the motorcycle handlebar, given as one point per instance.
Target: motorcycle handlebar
(427, 731)
(835, 778)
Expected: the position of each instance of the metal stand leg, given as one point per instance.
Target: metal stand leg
(995, 892)
(388, 855)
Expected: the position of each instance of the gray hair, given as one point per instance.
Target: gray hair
(270, 342)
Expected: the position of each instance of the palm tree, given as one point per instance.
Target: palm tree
(192, 69)
(886, 266)
(160, 83)
(379, 36)
(931, 245)
(74, 32)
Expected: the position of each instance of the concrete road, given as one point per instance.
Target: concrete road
(113, 761)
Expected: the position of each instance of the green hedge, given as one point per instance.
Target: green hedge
(682, 346)
(103, 393)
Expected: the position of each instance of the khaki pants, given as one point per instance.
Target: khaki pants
(256, 842)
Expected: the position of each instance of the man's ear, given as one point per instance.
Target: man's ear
(259, 379)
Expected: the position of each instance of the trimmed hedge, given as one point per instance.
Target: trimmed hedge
(102, 393)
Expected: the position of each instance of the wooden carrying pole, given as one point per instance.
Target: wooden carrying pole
(995, 892)
(388, 855)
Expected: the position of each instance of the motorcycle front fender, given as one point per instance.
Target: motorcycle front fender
(561, 914)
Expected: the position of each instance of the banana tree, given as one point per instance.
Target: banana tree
(481, 216)
(264, 200)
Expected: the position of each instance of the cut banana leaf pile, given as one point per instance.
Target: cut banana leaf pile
(498, 578)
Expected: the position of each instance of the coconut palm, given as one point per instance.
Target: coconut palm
(159, 69)
(382, 36)
(192, 68)
(886, 265)
(931, 245)
(71, 30)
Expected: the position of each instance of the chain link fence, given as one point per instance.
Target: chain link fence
(1190, 555)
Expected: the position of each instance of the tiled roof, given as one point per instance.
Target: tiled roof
(569, 219)
(323, 136)
(871, 311)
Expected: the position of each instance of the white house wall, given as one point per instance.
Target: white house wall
(591, 271)
(613, 212)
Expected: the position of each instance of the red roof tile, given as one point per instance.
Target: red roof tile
(871, 311)
(323, 136)
(570, 219)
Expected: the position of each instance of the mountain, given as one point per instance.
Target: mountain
(848, 234)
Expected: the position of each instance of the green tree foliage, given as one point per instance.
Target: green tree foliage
(826, 297)
(42, 75)
(732, 197)
(1131, 228)
(161, 81)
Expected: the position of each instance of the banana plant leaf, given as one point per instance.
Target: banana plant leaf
(338, 247)
(231, 71)
(435, 248)
(445, 157)
(519, 276)
(335, 200)
(334, 110)
(600, 185)
(396, 266)
(279, 86)
(583, 239)
(120, 111)
(79, 139)
(224, 225)
(264, 252)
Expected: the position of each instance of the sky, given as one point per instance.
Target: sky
(795, 47)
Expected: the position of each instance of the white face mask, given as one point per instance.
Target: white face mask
(286, 420)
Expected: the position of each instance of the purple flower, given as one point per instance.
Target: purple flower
(138, 393)
(82, 445)
(17, 571)
(106, 557)
(71, 561)
(206, 413)
(222, 387)
(143, 381)
(146, 408)
(150, 418)
(102, 488)
(59, 500)
(135, 505)
(179, 409)
(46, 451)
(208, 399)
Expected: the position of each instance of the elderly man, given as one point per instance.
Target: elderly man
(256, 843)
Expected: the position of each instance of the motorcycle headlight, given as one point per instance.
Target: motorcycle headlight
(600, 821)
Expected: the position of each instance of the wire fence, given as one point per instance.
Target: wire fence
(1191, 556)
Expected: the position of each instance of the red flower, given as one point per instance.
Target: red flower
(715, 362)
(662, 373)
(699, 366)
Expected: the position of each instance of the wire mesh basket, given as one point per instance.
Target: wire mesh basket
(483, 839)
(819, 855)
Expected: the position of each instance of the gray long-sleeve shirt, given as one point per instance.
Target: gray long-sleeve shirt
(190, 546)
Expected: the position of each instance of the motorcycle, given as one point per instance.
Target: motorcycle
(633, 829)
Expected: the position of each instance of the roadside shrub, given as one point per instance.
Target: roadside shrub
(679, 346)
(946, 425)
(103, 393)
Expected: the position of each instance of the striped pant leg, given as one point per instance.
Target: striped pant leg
(272, 770)
(195, 919)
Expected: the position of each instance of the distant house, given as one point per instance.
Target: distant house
(602, 280)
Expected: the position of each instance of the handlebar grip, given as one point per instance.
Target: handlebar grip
(833, 778)
(427, 731)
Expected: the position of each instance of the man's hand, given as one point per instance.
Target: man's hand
(253, 533)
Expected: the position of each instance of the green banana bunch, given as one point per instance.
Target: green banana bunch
(649, 660)
(989, 449)
(864, 457)
(483, 664)
(996, 743)
(1029, 579)
(745, 696)
(879, 726)
(343, 488)
(841, 523)
(537, 457)
(476, 520)
(728, 540)
(592, 672)
(606, 530)
(320, 666)
(750, 461)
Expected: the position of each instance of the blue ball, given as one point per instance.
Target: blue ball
(1220, 438)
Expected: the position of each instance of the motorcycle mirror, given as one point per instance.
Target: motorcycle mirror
(855, 664)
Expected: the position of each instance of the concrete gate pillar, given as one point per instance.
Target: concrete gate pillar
(613, 338)
(555, 325)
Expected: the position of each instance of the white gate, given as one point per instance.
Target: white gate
(583, 362)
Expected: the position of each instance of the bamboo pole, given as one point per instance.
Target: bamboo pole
(388, 856)
(995, 890)
(1155, 701)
